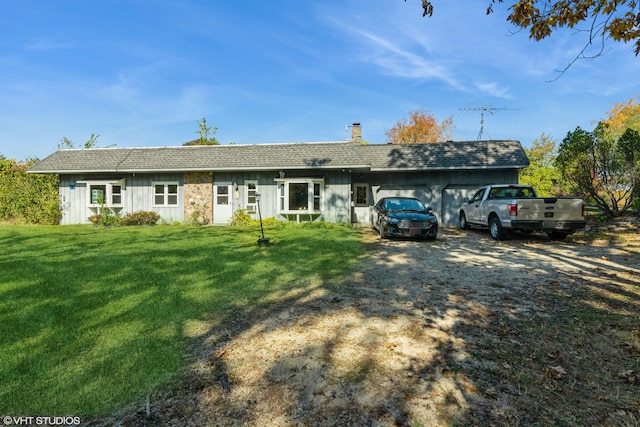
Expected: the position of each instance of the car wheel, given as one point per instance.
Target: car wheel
(383, 235)
(495, 229)
(463, 222)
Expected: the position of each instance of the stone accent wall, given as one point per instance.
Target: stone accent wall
(198, 197)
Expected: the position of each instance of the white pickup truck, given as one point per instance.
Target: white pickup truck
(516, 207)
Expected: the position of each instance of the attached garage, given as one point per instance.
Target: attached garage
(441, 174)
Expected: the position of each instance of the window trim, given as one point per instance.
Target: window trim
(247, 205)
(108, 184)
(165, 194)
(312, 198)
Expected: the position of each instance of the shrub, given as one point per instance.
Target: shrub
(240, 217)
(141, 218)
(27, 198)
(105, 219)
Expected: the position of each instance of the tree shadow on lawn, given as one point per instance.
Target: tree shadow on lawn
(463, 331)
(88, 323)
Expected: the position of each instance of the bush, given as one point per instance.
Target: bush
(27, 198)
(241, 217)
(141, 218)
(105, 219)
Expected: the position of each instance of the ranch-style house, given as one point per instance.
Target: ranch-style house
(328, 181)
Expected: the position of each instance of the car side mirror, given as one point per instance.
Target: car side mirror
(429, 209)
(465, 200)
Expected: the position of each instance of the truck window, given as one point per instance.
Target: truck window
(478, 196)
(525, 193)
(496, 193)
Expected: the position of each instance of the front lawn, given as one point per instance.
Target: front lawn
(92, 319)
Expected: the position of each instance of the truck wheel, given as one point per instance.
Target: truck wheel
(495, 229)
(463, 222)
(556, 235)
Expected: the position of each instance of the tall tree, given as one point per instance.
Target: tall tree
(602, 169)
(419, 128)
(603, 19)
(206, 134)
(542, 173)
(623, 116)
(92, 142)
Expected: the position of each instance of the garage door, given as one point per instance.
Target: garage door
(451, 202)
(421, 192)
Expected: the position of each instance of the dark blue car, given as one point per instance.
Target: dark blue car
(403, 217)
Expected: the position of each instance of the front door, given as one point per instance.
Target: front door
(222, 206)
(360, 203)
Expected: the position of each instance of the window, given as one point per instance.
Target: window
(251, 189)
(222, 197)
(116, 195)
(165, 194)
(300, 195)
(478, 196)
(98, 194)
(361, 195)
(104, 194)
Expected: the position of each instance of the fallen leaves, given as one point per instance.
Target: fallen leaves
(555, 372)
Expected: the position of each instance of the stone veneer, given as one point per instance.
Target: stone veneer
(198, 197)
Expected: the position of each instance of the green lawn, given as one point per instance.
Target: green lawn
(92, 319)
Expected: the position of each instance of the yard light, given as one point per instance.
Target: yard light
(262, 241)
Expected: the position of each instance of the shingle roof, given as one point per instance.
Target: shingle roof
(447, 155)
(331, 155)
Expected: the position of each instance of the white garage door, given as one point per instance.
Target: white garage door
(421, 192)
(451, 202)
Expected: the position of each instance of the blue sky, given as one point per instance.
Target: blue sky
(141, 73)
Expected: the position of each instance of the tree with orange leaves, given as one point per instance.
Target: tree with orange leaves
(623, 116)
(420, 127)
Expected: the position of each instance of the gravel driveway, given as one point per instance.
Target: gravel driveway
(425, 333)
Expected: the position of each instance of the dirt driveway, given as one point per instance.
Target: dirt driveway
(458, 331)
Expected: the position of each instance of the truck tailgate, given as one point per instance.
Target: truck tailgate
(555, 209)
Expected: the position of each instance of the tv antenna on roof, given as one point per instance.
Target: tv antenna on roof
(490, 110)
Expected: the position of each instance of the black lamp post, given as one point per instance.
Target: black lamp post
(261, 241)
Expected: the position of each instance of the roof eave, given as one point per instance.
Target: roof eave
(422, 169)
(177, 170)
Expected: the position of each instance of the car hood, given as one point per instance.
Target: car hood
(412, 216)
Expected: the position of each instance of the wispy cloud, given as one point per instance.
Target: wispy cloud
(45, 44)
(404, 63)
(495, 89)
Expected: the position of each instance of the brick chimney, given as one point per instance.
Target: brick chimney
(356, 133)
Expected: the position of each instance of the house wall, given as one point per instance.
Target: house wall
(137, 196)
(442, 190)
(198, 197)
(335, 200)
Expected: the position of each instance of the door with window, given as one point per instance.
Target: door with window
(360, 203)
(222, 202)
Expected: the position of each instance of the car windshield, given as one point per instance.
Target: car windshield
(405, 205)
